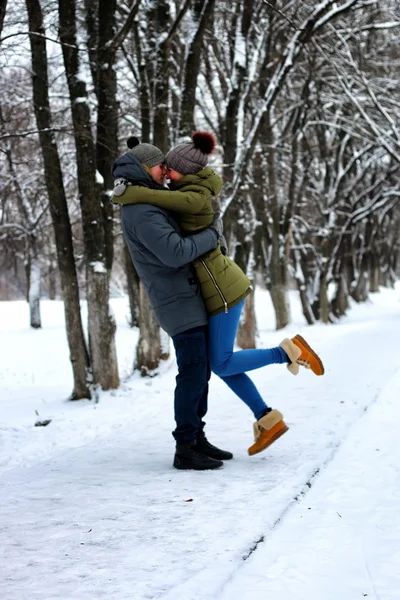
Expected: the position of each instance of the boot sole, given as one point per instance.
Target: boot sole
(186, 467)
(311, 351)
(275, 436)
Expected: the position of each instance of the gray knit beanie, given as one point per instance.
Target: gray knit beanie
(191, 157)
(147, 154)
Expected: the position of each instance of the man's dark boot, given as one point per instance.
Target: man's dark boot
(204, 446)
(187, 456)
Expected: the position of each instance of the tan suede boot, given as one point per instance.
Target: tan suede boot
(300, 353)
(267, 430)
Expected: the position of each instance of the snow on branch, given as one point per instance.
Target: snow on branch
(6, 226)
(40, 35)
(19, 134)
(335, 12)
(320, 15)
(120, 36)
(373, 206)
(380, 136)
(174, 28)
(376, 26)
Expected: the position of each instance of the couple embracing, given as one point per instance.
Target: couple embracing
(197, 292)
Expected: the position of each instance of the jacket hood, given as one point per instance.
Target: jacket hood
(207, 178)
(129, 167)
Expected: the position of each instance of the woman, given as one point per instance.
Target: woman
(223, 284)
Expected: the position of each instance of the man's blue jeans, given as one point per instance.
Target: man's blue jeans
(232, 366)
(191, 392)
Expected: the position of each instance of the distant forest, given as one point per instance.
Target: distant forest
(303, 98)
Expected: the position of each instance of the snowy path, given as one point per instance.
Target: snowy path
(110, 519)
(343, 540)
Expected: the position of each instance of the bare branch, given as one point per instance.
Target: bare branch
(120, 36)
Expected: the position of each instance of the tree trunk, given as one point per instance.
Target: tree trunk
(340, 302)
(323, 299)
(301, 284)
(101, 325)
(144, 90)
(240, 25)
(79, 356)
(247, 331)
(102, 329)
(52, 280)
(161, 16)
(34, 285)
(148, 349)
(3, 6)
(374, 272)
(360, 292)
(280, 303)
(133, 287)
(360, 289)
(203, 10)
(107, 117)
(278, 262)
(306, 306)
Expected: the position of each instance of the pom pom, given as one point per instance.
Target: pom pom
(204, 141)
(132, 142)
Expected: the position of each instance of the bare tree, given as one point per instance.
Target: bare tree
(302, 96)
(58, 204)
(101, 322)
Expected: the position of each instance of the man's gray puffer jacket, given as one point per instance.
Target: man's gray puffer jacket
(162, 260)
(162, 257)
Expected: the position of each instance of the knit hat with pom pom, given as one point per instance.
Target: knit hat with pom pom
(147, 154)
(191, 157)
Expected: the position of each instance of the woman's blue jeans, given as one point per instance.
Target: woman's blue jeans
(232, 366)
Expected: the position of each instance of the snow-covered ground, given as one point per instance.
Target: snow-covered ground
(91, 508)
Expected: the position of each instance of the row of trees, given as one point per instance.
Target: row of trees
(303, 99)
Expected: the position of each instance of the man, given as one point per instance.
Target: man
(162, 258)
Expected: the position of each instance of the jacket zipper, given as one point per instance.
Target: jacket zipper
(216, 284)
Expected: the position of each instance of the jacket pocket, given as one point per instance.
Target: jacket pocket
(165, 290)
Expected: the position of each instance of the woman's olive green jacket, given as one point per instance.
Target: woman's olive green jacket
(223, 283)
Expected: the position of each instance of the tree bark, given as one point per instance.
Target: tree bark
(34, 284)
(278, 262)
(149, 348)
(133, 287)
(107, 117)
(161, 18)
(240, 25)
(102, 329)
(374, 272)
(52, 280)
(340, 302)
(301, 284)
(101, 323)
(360, 292)
(144, 90)
(58, 206)
(203, 10)
(323, 299)
(247, 331)
(3, 7)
